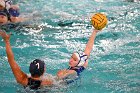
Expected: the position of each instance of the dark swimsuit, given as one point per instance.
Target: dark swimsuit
(34, 84)
(78, 70)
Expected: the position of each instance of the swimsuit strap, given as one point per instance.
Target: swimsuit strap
(34, 84)
(78, 69)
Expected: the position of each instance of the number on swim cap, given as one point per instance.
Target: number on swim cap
(37, 64)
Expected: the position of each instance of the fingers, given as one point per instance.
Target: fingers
(1, 32)
(4, 33)
(5, 36)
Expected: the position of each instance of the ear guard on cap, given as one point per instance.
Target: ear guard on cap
(82, 58)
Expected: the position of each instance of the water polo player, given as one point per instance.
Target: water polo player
(79, 61)
(37, 68)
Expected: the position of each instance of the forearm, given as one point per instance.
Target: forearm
(9, 52)
(90, 43)
(14, 66)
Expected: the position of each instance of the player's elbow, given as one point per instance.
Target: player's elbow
(21, 81)
(18, 80)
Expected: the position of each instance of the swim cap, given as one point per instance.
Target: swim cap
(37, 67)
(81, 57)
(2, 3)
(2, 13)
(14, 12)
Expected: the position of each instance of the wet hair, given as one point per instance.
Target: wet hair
(37, 68)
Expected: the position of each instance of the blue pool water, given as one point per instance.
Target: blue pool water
(62, 27)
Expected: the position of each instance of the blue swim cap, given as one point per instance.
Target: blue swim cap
(37, 67)
(14, 12)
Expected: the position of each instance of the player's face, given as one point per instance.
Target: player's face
(73, 60)
(3, 19)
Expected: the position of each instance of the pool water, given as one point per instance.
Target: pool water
(60, 27)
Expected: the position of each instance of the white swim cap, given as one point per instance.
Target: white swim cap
(81, 57)
(2, 3)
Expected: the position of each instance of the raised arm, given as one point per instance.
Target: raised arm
(20, 76)
(90, 43)
(64, 73)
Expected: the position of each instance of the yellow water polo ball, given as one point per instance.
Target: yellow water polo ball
(99, 21)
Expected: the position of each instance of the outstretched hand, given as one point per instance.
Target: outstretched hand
(5, 36)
